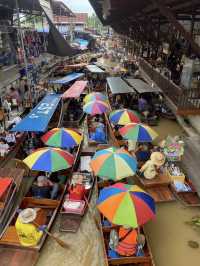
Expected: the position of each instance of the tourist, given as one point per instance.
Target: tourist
(14, 96)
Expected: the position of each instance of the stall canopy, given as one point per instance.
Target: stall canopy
(141, 87)
(75, 90)
(38, 119)
(94, 69)
(118, 85)
(67, 79)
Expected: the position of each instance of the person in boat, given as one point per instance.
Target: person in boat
(98, 134)
(28, 233)
(77, 189)
(123, 244)
(143, 152)
(44, 188)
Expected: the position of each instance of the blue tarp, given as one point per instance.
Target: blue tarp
(38, 119)
(67, 79)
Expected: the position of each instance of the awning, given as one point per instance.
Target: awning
(75, 90)
(140, 86)
(38, 119)
(118, 85)
(94, 69)
(67, 79)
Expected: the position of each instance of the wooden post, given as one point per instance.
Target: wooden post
(167, 12)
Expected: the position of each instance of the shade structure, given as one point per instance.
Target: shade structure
(49, 160)
(138, 132)
(95, 107)
(123, 117)
(95, 96)
(124, 204)
(75, 90)
(38, 119)
(62, 138)
(113, 163)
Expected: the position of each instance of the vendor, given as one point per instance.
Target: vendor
(26, 230)
(158, 159)
(150, 169)
(127, 245)
(77, 189)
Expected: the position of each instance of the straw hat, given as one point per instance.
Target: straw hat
(27, 215)
(158, 158)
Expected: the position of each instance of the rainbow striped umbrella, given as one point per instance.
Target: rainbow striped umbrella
(95, 107)
(124, 204)
(123, 117)
(113, 163)
(62, 138)
(138, 132)
(95, 96)
(49, 160)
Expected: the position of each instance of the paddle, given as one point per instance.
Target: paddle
(58, 240)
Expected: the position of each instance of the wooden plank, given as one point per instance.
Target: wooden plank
(161, 194)
(18, 257)
(162, 179)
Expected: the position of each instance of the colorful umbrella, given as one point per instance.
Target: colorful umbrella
(138, 132)
(49, 160)
(95, 96)
(124, 204)
(123, 117)
(113, 163)
(62, 137)
(95, 107)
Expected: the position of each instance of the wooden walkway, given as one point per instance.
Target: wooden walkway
(191, 161)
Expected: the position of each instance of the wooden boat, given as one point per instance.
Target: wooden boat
(146, 260)
(8, 199)
(189, 198)
(71, 219)
(48, 209)
(158, 187)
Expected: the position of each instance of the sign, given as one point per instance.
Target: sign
(75, 90)
(38, 119)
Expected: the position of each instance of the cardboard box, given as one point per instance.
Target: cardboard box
(180, 178)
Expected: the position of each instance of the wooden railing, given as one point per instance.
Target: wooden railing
(187, 101)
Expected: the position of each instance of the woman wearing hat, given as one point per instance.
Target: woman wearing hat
(151, 167)
(27, 232)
